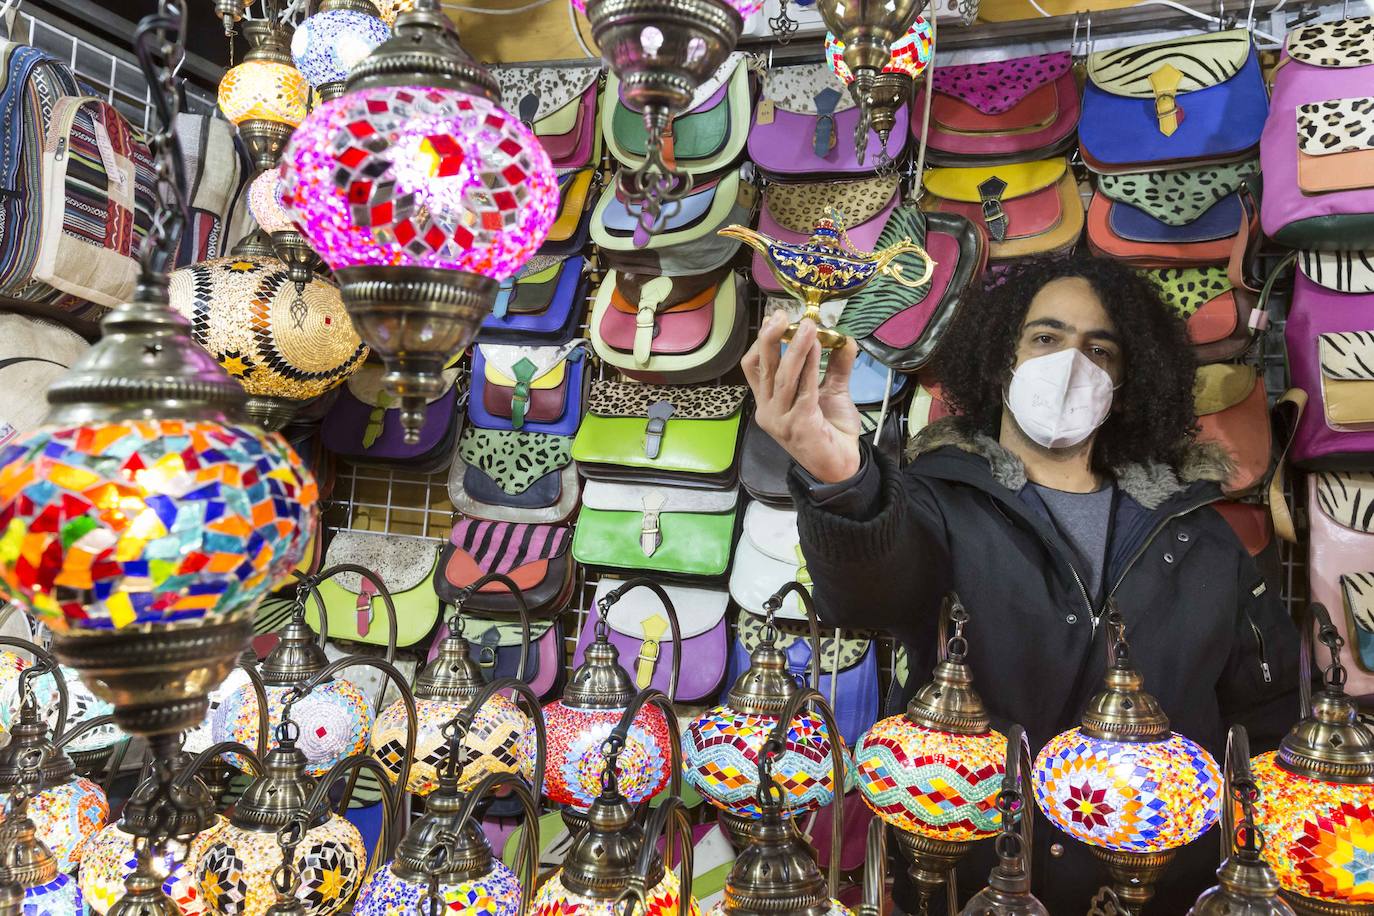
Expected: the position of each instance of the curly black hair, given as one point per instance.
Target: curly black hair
(1153, 419)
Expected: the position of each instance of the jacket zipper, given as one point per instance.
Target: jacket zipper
(1259, 638)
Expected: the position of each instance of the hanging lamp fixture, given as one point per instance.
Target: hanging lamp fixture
(264, 97)
(333, 38)
(289, 246)
(1009, 886)
(880, 99)
(421, 194)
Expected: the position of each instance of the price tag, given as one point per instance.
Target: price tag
(765, 112)
(107, 154)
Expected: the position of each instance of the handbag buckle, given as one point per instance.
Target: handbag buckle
(990, 193)
(823, 141)
(660, 412)
(366, 592)
(650, 534)
(646, 329)
(1164, 82)
(486, 654)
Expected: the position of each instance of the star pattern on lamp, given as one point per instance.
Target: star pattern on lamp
(1088, 806)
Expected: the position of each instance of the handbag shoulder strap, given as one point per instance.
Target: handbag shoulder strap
(1293, 402)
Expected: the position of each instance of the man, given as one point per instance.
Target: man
(1071, 476)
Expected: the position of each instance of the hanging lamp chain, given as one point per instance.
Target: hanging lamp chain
(160, 43)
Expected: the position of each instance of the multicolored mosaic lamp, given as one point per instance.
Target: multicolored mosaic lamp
(265, 96)
(1126, 785)
(1316, 793)
(934, 773)
(1008, 892)
(333, 39)
(25, 861)
(595, 699)
(421, 194)
(83, 706)
(882, 95)
(289, 246)
(390, 9)
(720, 749)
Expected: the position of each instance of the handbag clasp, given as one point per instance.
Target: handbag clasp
(990, 192)
(650, 534)
(660, 412)
(1164, 82)
(649, 650)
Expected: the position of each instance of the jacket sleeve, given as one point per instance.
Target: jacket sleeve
(1259, 686)
(877, 563)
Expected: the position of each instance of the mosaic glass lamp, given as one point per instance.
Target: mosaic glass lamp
(720, 749)
(332, 40)
(82, 706)
(289, 246)
(421, 194)
(283, 348)
(596, 697)
(390, 9)
(26, 862)
(110, 859)
(265, 96)
(880, 96)
(934, 772)
(1126, 785)
(1008, 892)
(1316, 793)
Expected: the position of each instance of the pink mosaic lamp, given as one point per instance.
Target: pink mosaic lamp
(421, 194)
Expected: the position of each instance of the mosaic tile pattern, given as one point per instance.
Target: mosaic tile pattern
(66, 816)
(1128, 797)
(158, 522)
(575, 763)
(1318, 836)
(500, 741)
(235, 874)
(720, 754)
(11, 664)
(495, 894)
(932, 782)
(203, 735)
(335, 719)
(82, 706)
(263, 91)
(410, 175)
(59, 897)
(327, 45)
(109, 858)
(910, 54)
(664, 899)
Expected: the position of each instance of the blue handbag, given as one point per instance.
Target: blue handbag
(1171, 104)
(528, 311)
(1218, 221)
(532, 389)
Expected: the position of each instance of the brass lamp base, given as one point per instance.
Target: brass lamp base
(829, 338)
(1306, 906)
(265, 141)
(575, 821)
(300, 259)
(931, 862)
(271, 413)
(1134, 874)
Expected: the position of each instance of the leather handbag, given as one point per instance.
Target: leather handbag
(534, 557)
(684, 239)
(364, 427)
(1329, 337)
(805, 123)
(542, 303)
(356, 611)
(708, 137)
(871, 383)
(764, 464)
(1222, 319)
(790, 211)
(901, 326)
(1340, 565)
(767, 557)
(559, 105)
(693, 341)
(572, 226)
(1315, 151)
(671, 531)
(1024, 208)
(1255, 531)
(1173, 103)
(506, 475)
(638, 628)
(1183, 217)
(531, 389)
(1002, 111)
(683, 435)
(1232, 412)
(496, 649)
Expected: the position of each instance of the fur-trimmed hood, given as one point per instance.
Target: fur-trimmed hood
(1150, 484)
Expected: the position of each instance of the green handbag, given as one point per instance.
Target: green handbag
(355, 610)
(683, 434)
(673, 531)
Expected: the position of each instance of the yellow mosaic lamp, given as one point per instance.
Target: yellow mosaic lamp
(265, 96)
(1316, 793)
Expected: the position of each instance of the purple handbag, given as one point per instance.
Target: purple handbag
(1318, 169)
(1330, 340)
(640, 632)
(364, 428)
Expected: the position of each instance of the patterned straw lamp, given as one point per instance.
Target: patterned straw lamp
(595, 699)
(1247, 885)
(265, 96)
(720, 749)
(1009, 886)
(333, 39)
(1126, 785)
(421, 194)
(934, 772)
(1316, 793)
(890, 89)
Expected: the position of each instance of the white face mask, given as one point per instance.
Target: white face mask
(1059, 399)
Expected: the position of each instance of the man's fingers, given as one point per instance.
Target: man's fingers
(809, 394)
(840, 367)
(768, 345)
(790, 368)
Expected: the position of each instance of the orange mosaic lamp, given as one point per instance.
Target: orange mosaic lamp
(1316, 793)
(265, 96)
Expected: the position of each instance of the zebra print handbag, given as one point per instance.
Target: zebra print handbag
(1341, 564)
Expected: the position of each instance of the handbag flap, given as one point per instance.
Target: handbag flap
(1343, 43)
(401, 562)
(790, 632)
(366, 386)
(508, 633)
(674, 227)
(1336, 126)
(534, 93)
(795, 88)
(689, 402)
(545, 367)
(773, 532)
(1201, 61)
(798, 206)
(884, 297)
(1347, 498)
(1347, 356)
(1220, 386)
(998, 86)
(1177, 197)
(502, 546)
(1342, 271)
(514, 459)
(631, 497)
(698, 610)
(1021, 178)
(573, 191)
(1187, 289)
(712, 85)
(539, 269)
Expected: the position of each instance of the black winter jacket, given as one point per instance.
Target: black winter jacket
(1211, 638)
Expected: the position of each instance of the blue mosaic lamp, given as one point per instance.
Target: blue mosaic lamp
(329, 42)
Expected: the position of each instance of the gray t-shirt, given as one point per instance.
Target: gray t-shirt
(1084, 520)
